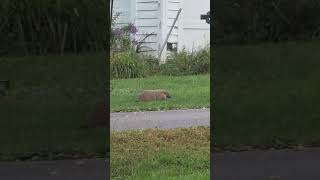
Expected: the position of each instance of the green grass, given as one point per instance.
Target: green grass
(267, 95)
(161, 154)
(186, 92)
(49, 98)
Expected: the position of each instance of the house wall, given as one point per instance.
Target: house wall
(190, 32)
(157, 16)
(126, 10)
(170, 10)
(147, 19)
(145, 14)
(194, 32)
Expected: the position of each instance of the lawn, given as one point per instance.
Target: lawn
(154, 154)
(48, 101)
(186, 91)
(267, 95)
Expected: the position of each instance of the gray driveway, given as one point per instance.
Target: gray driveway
(55, 170)
(160, 119)
(267, 165)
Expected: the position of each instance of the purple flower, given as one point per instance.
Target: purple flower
(119, 32)
(132, 28)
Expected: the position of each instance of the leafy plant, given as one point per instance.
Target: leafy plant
(126, 65)
(129, 64)
(187, 63)
(122, 38)
(255, 21)
(52, 26)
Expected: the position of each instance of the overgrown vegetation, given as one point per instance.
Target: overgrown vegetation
(48, 100)
(267, 95)
(252, 21)
(41, 27)
(187, 63)
(122, 38)
(125, 60)
(161, 154)
(129, 64)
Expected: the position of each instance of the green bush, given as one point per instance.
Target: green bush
(200, 62)
(186, 63)
(255, 21)
(129, 64)
(42, 27)
(151, 64)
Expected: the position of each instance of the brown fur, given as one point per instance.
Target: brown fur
(153, 95)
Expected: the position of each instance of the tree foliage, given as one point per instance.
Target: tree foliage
(40, 27)
(250, 21)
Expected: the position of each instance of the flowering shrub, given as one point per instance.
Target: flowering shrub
(123, 38)
(127, 62)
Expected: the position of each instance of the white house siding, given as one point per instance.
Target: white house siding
(125, 8)
(147, 19)
(170, 9)
(195, 33)
(157, 16)
(173, 8)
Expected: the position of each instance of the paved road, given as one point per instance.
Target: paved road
(261, 165)
(160, 119)
(55, 170)
(270, 165)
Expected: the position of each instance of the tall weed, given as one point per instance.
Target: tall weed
(187, 63)
(128, 64)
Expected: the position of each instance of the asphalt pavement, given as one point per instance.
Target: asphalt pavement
(160, 119)
(267, 165)
(94, 169)
(253, 165)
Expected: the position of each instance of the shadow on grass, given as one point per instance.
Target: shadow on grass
(267, 95)
(48, 101)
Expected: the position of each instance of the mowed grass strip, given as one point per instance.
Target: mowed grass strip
(186, 91)
(267, 95)
(48, 101)
(161, 154)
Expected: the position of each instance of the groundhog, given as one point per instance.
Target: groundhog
(153, 95)
(98, 117)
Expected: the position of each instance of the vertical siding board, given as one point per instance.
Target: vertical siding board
(171, 11)
(124, 8)
(157, 16)
(147, 21)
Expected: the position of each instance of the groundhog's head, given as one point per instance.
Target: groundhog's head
(167, 94)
